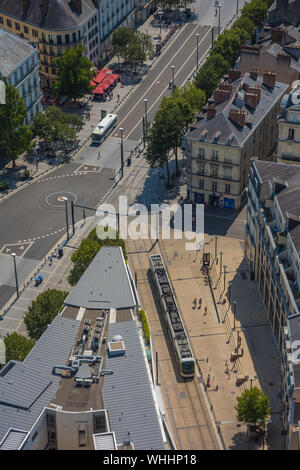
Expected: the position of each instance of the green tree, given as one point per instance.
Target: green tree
(209, 75)
(135, 55)
(195, 97)
(121, 38)
(17, 347)
(256, 11)
(75, 74)
(146, 43)
(15, 136)
(86, 252)
(42, 311)
(253, 407)
(55, 126)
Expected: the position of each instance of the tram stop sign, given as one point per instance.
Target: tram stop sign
(206, 259)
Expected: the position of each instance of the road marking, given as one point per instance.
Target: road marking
(177, 72)
(171, 60)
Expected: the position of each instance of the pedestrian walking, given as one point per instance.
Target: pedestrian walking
(118, 97)
(205, 311)
(99, 155)
(208, 381)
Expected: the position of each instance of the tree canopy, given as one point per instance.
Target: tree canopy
(42, 311)
(75, 74)
(17, 347)
(15, 136)
(131, 46)
(253, 407)
(56, 127)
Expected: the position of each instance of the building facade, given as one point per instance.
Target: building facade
(272, 249)
(54, 26)
(284, 10)
(19, 63)
(288, 148)
(238, 123)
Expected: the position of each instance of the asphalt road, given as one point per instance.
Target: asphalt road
(35, 216)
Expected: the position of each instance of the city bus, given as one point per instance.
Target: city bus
(104, 128)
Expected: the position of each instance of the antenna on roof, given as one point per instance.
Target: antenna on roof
(126, 440)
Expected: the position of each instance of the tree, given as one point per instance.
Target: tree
(75, 74)
(17, 347)
(194, 96)
(55, 126)
(146, 43)
(42, 311)
(86, 252)
(256, 11)
(15, 136)
(210, 73)
(253, 407)
(121, 38)
(135, 55)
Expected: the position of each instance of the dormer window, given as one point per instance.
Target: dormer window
(203, 135)
(229, 139)
(217, 137)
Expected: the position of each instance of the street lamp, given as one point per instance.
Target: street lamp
(16, 277)
(219, 6)
(197, 36)
(67, 220)
(234, 313)
(146, 121)
(160, 16)
(224, 276)
(122, 152)
(221, 257)
(216, 245)
(251, 380)
(173, 84)
(237, 7)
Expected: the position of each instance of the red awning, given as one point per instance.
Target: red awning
(98, 90)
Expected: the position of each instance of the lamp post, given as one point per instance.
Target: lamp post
(197, 36)
(122, 152)
(146, 117)
(219, 6)
(237, 7)
(67, 219)
(216, 246)
(221, 257)
(251, 380)
(16, 276)
(173, 83)
(160, 16)
(224, 276)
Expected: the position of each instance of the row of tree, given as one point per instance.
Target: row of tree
(177, 112)
(132, 46)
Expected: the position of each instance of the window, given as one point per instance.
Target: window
(26, 30)
(227, 188)
(214, 171)
(291, 134)
(214, 186)
(215, 155)
(53, 71)
(201, 153)
(1, 20)
(17, 26)
(228, 157)
(35, 33)
(67, 38)
(8, 23)
(74, 37)
(201, 184)
(228, 173)
(82, 438)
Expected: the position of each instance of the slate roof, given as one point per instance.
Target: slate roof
(13, 51)
(29, 386)
(221, 122)
(127, 393)
(60, 16)
(105, 284)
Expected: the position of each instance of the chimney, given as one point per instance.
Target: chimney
(251, 49)
(234, 75)
(44, 5)
(254, 74)
(225, 87)
(77, 5)
(256, 90)
(237, 116)
(269, 79)
(221, 95)
(251, 99)
(25, 6)
(279, 35)
(211, 111)
(285, 57)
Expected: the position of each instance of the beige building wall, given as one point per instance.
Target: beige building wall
(289, 136)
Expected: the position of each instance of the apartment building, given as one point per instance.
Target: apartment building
(86, 384)
(272, 249)
(54, 26)
(279, 50)
(239, 122)
(19, 63)
(288, 149)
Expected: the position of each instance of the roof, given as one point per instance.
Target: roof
(13, 51)
(105, 441)
(221, 122)
(289, 198)
(13, 439)
(61, 14)
(127, 393)
(27, 387)
(105, 283)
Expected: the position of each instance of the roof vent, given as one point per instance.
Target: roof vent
(116, 348)
(117, 338)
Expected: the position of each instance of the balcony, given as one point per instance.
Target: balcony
(269, 201)
(281, 238)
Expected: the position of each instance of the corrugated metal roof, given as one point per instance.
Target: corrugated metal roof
(13, 439)
(127, 393)
(105, 284)
(53, 348)
(105, 441)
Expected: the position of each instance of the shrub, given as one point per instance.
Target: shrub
(25, 175)
(145, 325)
(4, 186)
